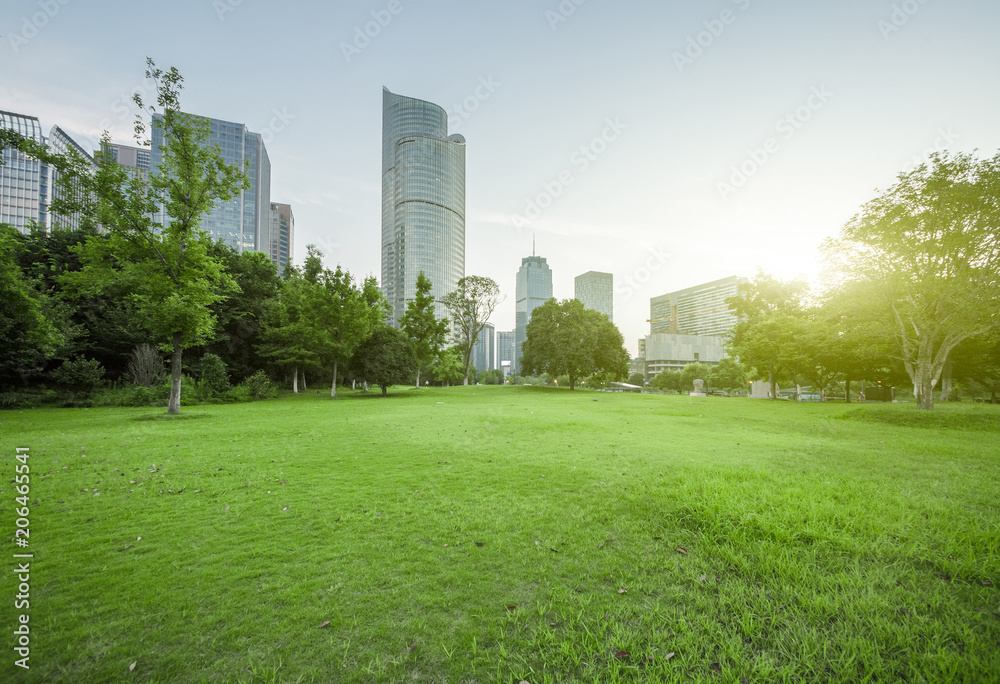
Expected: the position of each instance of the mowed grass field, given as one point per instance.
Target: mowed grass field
(501, 534)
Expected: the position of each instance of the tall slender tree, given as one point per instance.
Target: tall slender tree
(425, 330)
(471, 304)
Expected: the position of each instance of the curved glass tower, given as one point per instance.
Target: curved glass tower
(423, 201)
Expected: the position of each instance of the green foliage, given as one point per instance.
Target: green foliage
(929, 249)
(79, 375)
(728, 374)
(214, 373)
(419, 323)
(447, 368)
(565, 338)
(637, 379)
(145, 366)
(259, 386)
(29, 335)
(386, 358)
(692, 372)
(491, 377)
(667, 380)
(471, 304)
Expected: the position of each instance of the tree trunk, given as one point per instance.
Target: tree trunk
(572, 382)
(774, 386)
(333, 387)
(304, 388)
(847, 390)
(295, 380)
(174, 404)
(925, 399)
(946, 381)
(384, 388)
(418, 377)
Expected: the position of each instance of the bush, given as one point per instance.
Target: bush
(145, 366)
(79, 376)
(214, 374)
(259, 386)
(133, 395)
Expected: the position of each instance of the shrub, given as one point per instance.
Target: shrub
(145, 366)
(259, 386)
(214, 373)
(79, 376)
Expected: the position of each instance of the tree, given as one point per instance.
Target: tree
(566, 338)
(929, 247)
(447, 367)
(768, 336)
(471, 304)
(691, 372)
(79, 376)
(28, 334)
(667, 380)
(419, 323)
(346, 316)
(386, 358)
(636, 379)
(167, 270)
(727, 374)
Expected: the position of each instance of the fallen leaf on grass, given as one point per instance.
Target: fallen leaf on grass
(622, 591)
(125, 549)
(132, 666)
(681, 550)
(668, 656)
(987, 583)
(621, 654)
(552, 624)
(479, 543)
(324, 624)
(511, 608)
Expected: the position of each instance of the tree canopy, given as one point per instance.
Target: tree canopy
(566, 338)
(471, 304)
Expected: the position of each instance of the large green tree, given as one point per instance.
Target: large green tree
(566, 338)
(167, 269)
(929, 247)
(425, 330)
(471, 304)
(386, 358)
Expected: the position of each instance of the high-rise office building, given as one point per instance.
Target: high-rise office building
(423, 201)
(484, 350)
(534, 288)
(137, 158)
(240, 222)
(506, 344)
(698, 310)
(24, 182)
(278, 240)
(61, 143)
(595, 291)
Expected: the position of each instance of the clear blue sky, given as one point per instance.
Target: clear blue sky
(821, 103)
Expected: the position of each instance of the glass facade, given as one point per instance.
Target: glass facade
(595, 291)
(534, 288)
(24, 182)
(423, 201)
(60, 142)
(698, 310)
(484, 350)
(242, 221)
(278, 239)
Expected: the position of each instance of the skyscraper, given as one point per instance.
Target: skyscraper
(60, 143)
(484, 350)
(423, 201)
(534, 288)
(698, 310)
(242, 221)
(24, 182)
(505, 351)
(278, 240)
(595, 291)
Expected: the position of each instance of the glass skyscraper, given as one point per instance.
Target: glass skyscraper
(595, 290)
(423, 201)
(278, 241)
(534, 288)
(243, 221)
(24, 182)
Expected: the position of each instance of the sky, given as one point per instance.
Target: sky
(668, 143)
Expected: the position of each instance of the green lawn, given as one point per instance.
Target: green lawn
(509, 533)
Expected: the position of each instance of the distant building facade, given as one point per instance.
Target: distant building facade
(698, 310)
(670, 351)
(24, 182)
(423, 201)
(242, 221)
(506, 344)
(534, 288)
(278, 241)
(137, 158)
(595, 291)
(61, 143)
(484, 350)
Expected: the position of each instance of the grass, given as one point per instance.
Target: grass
(501, 534)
